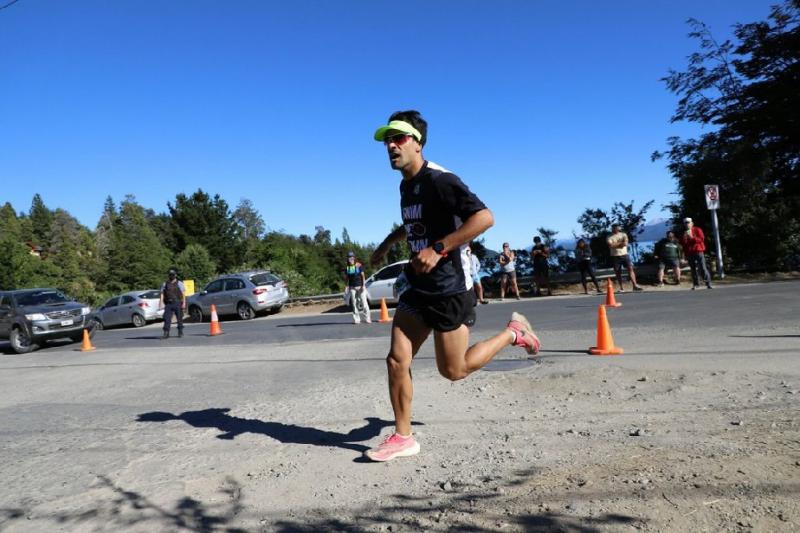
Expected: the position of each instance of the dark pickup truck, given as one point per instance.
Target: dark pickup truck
(30, 317)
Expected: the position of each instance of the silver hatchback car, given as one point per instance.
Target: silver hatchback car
(243, 294)
(135, 307)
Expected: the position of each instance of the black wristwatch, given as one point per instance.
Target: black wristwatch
(438, 247)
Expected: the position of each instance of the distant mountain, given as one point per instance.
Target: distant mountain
(653, 231)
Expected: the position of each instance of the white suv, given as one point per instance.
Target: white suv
(381, 283)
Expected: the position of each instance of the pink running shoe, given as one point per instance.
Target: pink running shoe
(394, 446)
(525, 335)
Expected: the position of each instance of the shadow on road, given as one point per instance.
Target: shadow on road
(232, 426)
(122, 509)
(126, 508)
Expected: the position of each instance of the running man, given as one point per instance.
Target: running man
(440, 216)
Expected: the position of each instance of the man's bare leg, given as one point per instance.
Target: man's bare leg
(503, 282)
(408, 334)
(453, 358)
(632, 275)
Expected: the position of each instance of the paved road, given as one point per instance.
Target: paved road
(153, 422)
(774, 304)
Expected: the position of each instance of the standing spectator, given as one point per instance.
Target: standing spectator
(355, 292)
(507, 260)
(668, 253)
(583, 254)
(475, 272)
(173, 300)
(694, 248)
(541, 266)
(618, 248)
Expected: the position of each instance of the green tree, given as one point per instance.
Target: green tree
(103, 229)
(195, 263)
(64, 252)
(200, 219)
(136, 257)
(596, 224)
(249, 221)
(745, 95)
(18, 267)
(41, 220)
(399, 250)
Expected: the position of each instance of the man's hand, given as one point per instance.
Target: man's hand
(425, 261)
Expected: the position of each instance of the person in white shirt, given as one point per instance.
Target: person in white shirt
(618, 249)
(475, 272)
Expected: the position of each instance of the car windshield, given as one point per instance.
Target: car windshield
(264, 278)
(40, 298)
(149, 295)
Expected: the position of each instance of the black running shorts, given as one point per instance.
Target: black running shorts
(440, 313)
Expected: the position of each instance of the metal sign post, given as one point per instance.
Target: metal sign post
(712, 201)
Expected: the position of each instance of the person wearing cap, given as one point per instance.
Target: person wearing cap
(355, 292)
(508, 275)
(173, 300)
(694, 248)
(668, 251)
(440, 216)
(618, 249)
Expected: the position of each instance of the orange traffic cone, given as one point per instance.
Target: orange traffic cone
(610, 300)
(384, 312)
(605, 342)
(87, 343)
(215, 329)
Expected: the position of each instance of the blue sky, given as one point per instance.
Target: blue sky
(542, 108)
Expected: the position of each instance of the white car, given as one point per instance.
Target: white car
(381, 283)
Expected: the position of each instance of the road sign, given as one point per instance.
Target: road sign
(712, 196)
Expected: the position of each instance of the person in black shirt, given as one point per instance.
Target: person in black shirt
(583, 255)
(173, 300)
(440, 216)
(541, 266)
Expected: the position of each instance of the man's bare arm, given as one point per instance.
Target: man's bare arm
(380, 252)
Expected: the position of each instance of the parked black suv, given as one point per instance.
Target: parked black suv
(29, 317)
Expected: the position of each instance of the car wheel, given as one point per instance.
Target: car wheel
(20, 341)
(245, 311)
(138, 320)
(195, 314)
(276, 310)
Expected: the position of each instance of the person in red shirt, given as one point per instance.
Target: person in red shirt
(694, 247)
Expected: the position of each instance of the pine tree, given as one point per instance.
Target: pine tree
(136, 258)
(42, 220)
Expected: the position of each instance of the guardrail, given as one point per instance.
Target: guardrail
(560, 277)
(322, 297)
